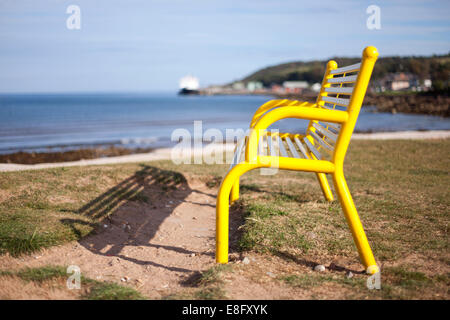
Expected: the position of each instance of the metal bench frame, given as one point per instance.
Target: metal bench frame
(321, 150)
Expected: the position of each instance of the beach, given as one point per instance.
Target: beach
(165, 153)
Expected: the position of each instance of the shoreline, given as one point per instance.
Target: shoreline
(425, 103)
(86, 153)
(165, 153)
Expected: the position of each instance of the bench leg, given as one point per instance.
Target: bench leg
(365, 253)
(222, 209)
(322, 177)
(235, 191)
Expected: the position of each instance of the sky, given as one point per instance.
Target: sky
(148, 45)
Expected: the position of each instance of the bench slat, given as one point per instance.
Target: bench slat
(301, 147)
(271, 146)
(335, 126)
(261, 146)
(238, 152)
(347, 79)
(281, 146)
(338, 101)
(241, 156)
(324, 131)
(312, 148)
(292, 148)
(326, 106)
(265, 145)
(316, 137)
(339, 90)
(351, 68)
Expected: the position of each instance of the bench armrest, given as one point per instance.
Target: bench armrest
(298, 112)
(276, 104)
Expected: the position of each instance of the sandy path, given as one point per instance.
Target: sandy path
(165, 153)
(155, 246)
(403, 135)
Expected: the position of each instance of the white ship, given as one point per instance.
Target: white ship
(189, 85)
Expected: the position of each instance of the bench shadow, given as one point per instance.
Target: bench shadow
(132, 212)
(311, 264)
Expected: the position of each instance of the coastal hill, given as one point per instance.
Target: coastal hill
(436, 68)
(414, 84)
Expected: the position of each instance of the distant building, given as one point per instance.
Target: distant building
(238, 86)
(399, 81)
(402, 81)
(295, 86)
(276, 88)
(254, 86)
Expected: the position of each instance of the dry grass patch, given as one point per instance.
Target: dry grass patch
(49, 283)
(401, 190)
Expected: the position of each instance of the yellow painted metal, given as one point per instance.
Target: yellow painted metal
(235, 191)
(274, 104)
(275, 110)
(326, 190)
(309, 112)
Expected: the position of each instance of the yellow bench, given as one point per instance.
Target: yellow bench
(321, 149)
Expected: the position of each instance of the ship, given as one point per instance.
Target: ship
(189, 85)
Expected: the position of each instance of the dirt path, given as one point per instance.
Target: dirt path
(151, 246)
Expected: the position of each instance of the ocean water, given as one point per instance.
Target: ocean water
(47, 122)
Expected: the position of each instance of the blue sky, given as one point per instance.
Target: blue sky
(131, 45)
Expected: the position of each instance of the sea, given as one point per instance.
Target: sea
(59, 122)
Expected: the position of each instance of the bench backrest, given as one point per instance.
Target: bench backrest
(342, 89)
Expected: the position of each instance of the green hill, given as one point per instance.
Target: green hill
(436, 68)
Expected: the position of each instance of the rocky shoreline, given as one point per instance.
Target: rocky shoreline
(437, 105)
(72, 155)
(420, 103)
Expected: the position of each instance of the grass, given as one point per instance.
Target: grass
(269, 228)
(42, 273)
(93, 289)
(400, 188)
(208, 285)
(43, 208)
(307, 281)
(111, 291)
(396, 283)
(213, 275)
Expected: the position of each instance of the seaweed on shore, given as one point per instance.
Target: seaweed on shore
(72, 155)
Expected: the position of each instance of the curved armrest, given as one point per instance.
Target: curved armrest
(297, 112)
(275, 104)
